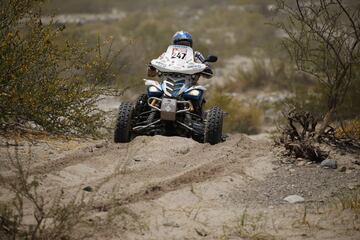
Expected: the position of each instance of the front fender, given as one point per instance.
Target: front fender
(157, 85)
(199, 97)
(197, 87)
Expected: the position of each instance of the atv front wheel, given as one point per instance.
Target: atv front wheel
(123, 123)
(214, 125)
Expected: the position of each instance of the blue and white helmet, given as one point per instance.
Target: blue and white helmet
(182, 38)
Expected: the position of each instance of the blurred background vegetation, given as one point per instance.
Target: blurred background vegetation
(228, 29)
(254, 73)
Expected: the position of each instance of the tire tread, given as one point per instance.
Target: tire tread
(122, 132)
(214, 125)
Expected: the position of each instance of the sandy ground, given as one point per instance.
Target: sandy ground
(175, 188)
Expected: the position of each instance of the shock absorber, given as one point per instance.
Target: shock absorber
(151, 116)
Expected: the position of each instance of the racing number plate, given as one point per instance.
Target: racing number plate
(168, 109)
(179, 53)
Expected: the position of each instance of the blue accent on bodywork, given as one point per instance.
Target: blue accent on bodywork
(177, 87)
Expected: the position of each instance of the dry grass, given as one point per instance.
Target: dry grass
(53, 217)
(338, 217)
(263, 74)
(241, 118)
(350, 201)
(350, 129)
(248, 227)
(32, 213)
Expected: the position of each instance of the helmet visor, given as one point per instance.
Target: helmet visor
(183, 43)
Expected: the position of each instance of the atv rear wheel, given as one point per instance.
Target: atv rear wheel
(214, 125)
(122, 132)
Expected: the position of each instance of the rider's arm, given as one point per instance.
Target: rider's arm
(151, 71)
(199, 58)
(207, 73)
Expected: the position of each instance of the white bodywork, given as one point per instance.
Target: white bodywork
(178, 59)
(149, 82)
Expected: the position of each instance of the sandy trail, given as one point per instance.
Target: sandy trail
(150, 166)
(175, 188)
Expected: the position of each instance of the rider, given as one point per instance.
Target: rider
(185, 39)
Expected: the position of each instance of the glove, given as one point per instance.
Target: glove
(151, 71)
(207, 73)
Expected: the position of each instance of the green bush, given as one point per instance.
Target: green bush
(43, 84)
(240, 117)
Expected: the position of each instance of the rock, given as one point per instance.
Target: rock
(342, 169)
(291, 170)
(88, 189)
(294, 199)
(99, 145)
(329, 163)
(183, 150)
(301, 163)
(201, 232)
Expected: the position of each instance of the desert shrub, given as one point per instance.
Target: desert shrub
(297, 136)
(240, 117)
(44, 84)
(322, 39)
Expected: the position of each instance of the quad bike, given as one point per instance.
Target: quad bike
(173, 107)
